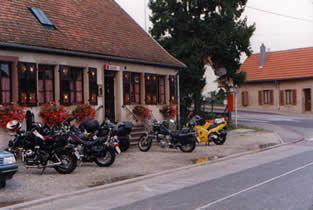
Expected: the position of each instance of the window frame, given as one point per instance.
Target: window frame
(70, 79)
(44, 81)
(10, 79)
(152, 88)
(93, 85)
(129, 87)
(32, 80)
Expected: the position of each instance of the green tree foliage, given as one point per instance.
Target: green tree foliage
(193, 30)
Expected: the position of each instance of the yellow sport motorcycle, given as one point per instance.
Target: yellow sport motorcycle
(209, 131)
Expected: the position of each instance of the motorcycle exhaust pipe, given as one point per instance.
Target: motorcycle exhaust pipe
(49, 165)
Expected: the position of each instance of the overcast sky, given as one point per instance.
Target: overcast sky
(281, 24)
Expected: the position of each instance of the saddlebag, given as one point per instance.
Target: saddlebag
(186, 138)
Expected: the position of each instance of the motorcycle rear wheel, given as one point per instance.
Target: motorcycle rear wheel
(144, 143)
(188, 147)
(107, 160)
(69, 163)
(2, 183)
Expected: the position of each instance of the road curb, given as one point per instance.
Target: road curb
(137, 179)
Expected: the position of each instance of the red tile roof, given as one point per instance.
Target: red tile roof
(280, 65)
(91, 26)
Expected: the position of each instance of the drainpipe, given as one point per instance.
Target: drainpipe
(178, 100)
(278, 88)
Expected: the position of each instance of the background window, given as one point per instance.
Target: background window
(27, 84)
(71, 85)
(5, 83)
(45, 83)
(131, 86)
(93, 86)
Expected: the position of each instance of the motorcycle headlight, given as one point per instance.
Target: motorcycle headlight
(9, 160)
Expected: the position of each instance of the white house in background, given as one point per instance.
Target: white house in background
(211, 83)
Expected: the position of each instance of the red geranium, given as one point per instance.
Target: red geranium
(143, 112)
(9, 113)
(53, 114)
(84, 111)
(169, 111)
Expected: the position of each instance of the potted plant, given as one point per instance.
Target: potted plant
(11, 112)
(169, 111)
(84, 111)
(53, 114)
(143, 112)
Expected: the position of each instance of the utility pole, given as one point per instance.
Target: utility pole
(145, 13)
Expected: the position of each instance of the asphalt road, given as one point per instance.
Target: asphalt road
(281, 178)
(288, 126)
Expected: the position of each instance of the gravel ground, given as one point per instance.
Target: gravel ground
(29, 184)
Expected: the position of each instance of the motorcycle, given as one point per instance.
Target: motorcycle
(89, 148)
(41, 152)
(208, 132)
(185, 139)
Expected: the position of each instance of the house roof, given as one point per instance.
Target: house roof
(98, 27)
(280, 65)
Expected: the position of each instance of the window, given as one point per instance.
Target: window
(93, 86)
(71, 85)
(172, 89)
(266, 97)
(290, 97)
(131, 86)
(42, 17)
(5, 83)
(155, 89)
(161, 99)
(45, 84)
(27, 84)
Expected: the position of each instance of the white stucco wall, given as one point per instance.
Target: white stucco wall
(120, 113)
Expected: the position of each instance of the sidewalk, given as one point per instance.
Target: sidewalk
(29, 184)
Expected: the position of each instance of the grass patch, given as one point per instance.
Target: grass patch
(232, 126)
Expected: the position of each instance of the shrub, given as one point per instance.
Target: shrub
(169, 111)
(84, 111)
(53, 114)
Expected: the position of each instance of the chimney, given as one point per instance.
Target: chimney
(262, 55)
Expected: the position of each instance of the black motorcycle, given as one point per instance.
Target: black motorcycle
(184, 139)
(89, 147)
(38, 151)
(121, 131)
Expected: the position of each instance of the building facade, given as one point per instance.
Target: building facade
(278, 81)
(75, 52)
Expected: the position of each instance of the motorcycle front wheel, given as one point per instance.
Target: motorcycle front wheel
(188, 147)
(107, 160)
(144, 143)
(68, 163)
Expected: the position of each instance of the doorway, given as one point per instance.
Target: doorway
(109, 99)
(307, 99)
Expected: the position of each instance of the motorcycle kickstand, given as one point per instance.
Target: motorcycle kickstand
(43, 170)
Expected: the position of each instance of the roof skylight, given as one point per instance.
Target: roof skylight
(42, 17)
